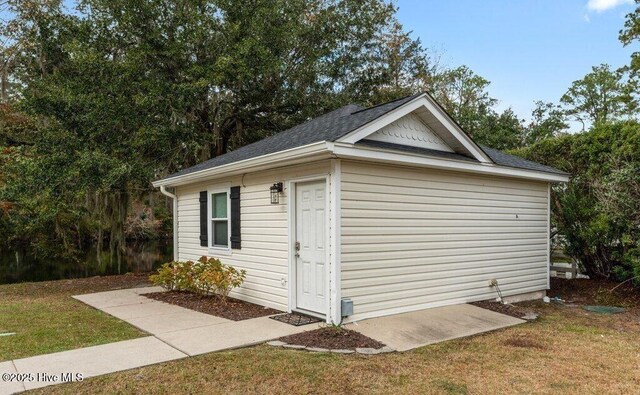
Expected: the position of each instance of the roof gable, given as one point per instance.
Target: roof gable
(411, 131)
(425, 109)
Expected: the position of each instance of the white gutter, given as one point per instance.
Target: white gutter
(164, 191)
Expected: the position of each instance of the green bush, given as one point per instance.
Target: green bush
(176, 276)
(598, 212)
(207, 276)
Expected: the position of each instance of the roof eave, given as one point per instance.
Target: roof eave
(348, 151)
(291, 156)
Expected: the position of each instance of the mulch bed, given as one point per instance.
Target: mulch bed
(507, 309)
(234, 309)
(332, 338)
(576, 292)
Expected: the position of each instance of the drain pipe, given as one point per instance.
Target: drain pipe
(164, 191)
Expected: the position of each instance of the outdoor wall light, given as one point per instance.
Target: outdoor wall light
(276, 190)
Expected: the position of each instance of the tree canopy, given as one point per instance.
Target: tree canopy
(600, 96)
(100, 97)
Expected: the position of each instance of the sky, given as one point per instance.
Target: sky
(529, 49)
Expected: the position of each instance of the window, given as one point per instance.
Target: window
(220, 220)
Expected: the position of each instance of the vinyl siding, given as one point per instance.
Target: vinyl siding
(263, 230)
(418, 238)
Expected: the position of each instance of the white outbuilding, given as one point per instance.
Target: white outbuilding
(391, 208)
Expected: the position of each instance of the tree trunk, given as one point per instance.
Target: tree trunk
(4, 81)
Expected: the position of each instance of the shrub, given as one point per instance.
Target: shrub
(217, 278)
(598, 212)
(207, 276)
(165, 277)
(175, 276)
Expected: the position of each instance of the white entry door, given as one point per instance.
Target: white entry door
(311, 246)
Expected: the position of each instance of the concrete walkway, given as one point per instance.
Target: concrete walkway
(407, 331)
(186, 330)
(177, 333)
(91, 361)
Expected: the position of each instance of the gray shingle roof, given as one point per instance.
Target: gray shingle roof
(503, 159)
(327, 127)
(332, 126)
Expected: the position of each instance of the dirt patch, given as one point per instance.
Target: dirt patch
(595, 292)
(507, 309)
(332, 338)
(233, 309)
(524, 342)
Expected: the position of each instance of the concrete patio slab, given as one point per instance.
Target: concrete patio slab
(419, 328)
(230, 335)
(177, 321)
(97, 360)
(9, 386)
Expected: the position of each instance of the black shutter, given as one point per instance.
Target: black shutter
(204, 242)
(235, 217)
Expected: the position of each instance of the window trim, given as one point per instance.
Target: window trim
(214, 249)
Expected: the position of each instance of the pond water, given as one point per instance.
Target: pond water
(19, 266)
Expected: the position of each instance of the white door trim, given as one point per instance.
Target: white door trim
(291, 228)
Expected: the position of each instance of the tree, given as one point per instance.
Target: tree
(395, 67)
(129, 90)
(599, 97)
(548, 120)
(597, 212)
(500, 131)
(630, 33)
(463, 94)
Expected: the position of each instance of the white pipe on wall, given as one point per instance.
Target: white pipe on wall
(164, 191)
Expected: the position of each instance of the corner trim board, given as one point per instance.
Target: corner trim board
(335, 239)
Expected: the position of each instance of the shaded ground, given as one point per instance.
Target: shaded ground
(513, 310)
(595, 292)
(332, 338)
(567, 350)
(576, 293)
(233, 309)
(46, 319)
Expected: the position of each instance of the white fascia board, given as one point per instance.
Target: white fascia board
(290, 156)
(419, 102)
(457, 132)
(377, 124)
(346, 151)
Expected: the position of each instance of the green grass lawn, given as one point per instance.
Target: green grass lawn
(46, 319)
